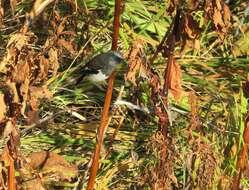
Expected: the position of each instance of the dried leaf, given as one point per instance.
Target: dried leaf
(21, 72)
(226, 15)
(13, 89)
(218, 4)
(191, 27)
(246, 87)
(7, 129)
(135, 64)
(33, 117)
(24, 89)
(217, 19)
(18, 40)
(13, 5)
(38, 93)
(3, 107)
(49, 162)
(195, 121)
(246, 133)
(9, 163)
(61, 27)
(173, 78)
(53, 60)
(197, 45)
(67, 45)
(44, 67)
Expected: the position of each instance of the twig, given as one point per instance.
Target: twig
(105, 114)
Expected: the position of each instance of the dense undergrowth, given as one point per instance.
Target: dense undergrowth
(205, 126)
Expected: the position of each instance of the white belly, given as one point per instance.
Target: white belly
(97, 77)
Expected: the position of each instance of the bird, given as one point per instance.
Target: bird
(100, 67)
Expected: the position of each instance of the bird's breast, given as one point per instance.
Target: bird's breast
(97, 77)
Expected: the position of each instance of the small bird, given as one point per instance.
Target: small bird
(101, 66)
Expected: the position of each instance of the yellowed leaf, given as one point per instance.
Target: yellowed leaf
(3, 107)
(197, 45)
(7, 129)
(13, 89)
(21, 72)
(53, 60)
(218, 4)
(226, 14)
(217, 18)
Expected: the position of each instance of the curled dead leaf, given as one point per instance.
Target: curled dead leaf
(51, 163)
(173, 78)
(191, 27)
(217, 18)
(135, 64)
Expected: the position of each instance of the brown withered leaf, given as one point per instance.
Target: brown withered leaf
(241, 163)
(53, 60)
(19, 40)
(197, 45)
(51, 163)
(7, 129)
(12, 87)
(68, 45)
(135, 63)
(44, 67)
(218, 4)
(9, 163)
(155, 83)
(217, 19)
(33, 116)
(191, 27)
(246, 133)
(61, 27)
(3, 107)
(224, 183)
(195, 121)
(38, 93)
(13, 5)
(226, 15)
(21, 71)
(246, 87)
(173, 78)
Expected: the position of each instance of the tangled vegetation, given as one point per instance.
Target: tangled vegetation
(178, 117)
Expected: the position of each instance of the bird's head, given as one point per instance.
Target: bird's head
(117, 59)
